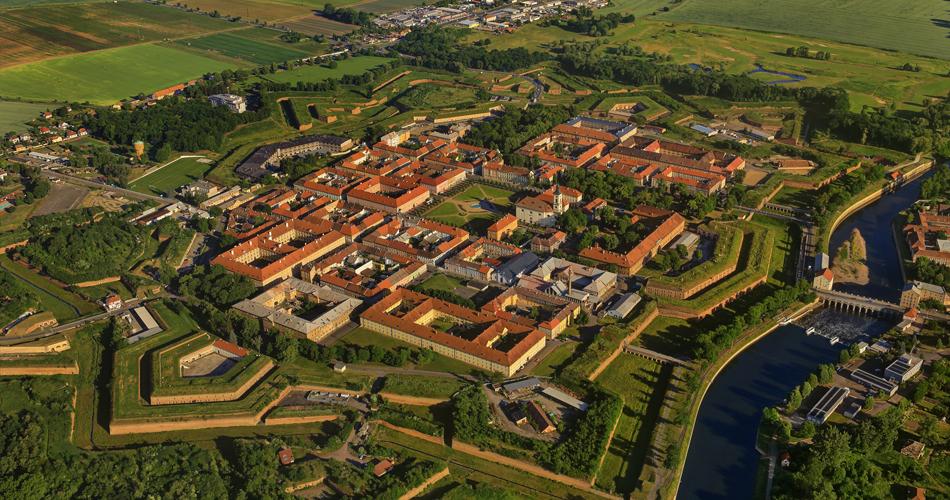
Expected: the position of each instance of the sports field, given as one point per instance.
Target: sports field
(13, 115)
(236, 44)
(476, 203)
(42, 31)
(172, 176)
(316, 73)
(106, 76)
(917, 27)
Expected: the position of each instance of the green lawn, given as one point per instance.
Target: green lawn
(641, 383)
(904, 26)
(442, 282)
(172, 176)
(551, 365)
(13, 115)
(106, 76)
(461, 210)
(316, 73)
(63, 304)
(426, 387)
(236, 44)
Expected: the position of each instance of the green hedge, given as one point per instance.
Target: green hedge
(725, 253)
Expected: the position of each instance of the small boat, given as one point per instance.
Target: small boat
(811, 330)
(833, 340)
(784, 321)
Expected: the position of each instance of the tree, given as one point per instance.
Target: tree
(794, 400)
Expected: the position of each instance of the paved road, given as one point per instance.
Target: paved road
(98, 185)
(47, 332)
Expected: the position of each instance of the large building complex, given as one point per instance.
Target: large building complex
(263, 161)
(364, 271)
(301, 308)
(424, 240)
(667, 226)
(478, 338)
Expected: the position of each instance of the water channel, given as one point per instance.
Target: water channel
(721, 462)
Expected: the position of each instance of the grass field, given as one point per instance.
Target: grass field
(236, 44)
(351, 66)
(263, 10)
(639, 382)
(442, 282)
(13, 115)
(550, 365)
(465, 209)
(172, 176)
(63, 304)
(38, 32)
(106, 76)
(913, 27)
(382, 6)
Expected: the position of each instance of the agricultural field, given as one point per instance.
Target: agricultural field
(106, 76)
(14, 115)
(316, 73)
(381, 6)
(257, 10)
(870, 75)
(172, 176)
(640, 382)
(478, 204)
(43, 31)
(235, 44)
(913, 27)
(317, 25)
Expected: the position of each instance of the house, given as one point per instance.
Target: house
(915, 292)
(382, 467)
(549, 241)
(112, 302)
(623, 305)
(339, 367)
(824, 280)
(235, 103)
(286, 456)
(786, 459)
(503, 227)
(539, 419)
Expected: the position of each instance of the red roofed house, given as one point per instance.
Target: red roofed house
(548, 242)
(286, 456)
(502, 227)
(824, 280)
(333, 183)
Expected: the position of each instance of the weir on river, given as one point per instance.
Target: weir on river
(721, 462)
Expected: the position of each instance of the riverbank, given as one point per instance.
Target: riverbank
(752, 336)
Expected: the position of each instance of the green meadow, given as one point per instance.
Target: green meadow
(106, 76)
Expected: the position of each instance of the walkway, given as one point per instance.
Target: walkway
(47, 332)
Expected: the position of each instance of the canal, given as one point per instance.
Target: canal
(722, 461)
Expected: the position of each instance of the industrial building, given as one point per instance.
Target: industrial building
(827, 405)
(903, 368)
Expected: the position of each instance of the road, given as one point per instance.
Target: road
(98, 185)
(46, 332)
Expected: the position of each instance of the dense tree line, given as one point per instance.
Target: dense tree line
(832, 197)
(848, 462)
(166, 471)
(216, 285)
(929, 271)
(15, 298)
(346, 15)
(626, 192)
(585, 22)
(576, 454)
(438, 47)
(35, 185)
(804, 51)
(95, 250)
(365, 78)
(509, 131)
(710, 344)
(444, 295)
(184, 125)
(937, 186)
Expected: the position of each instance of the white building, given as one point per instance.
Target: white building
(235, 103)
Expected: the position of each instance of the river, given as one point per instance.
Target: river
(722, 461)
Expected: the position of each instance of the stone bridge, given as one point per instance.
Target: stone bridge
(858, 304)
